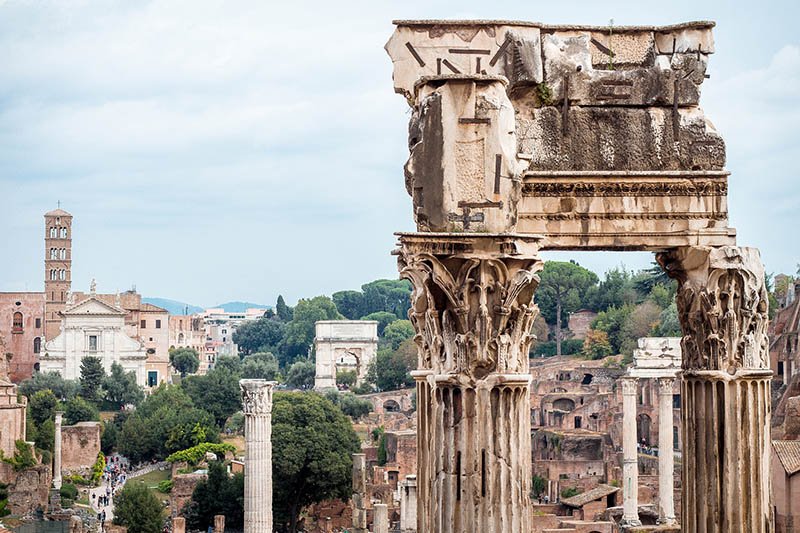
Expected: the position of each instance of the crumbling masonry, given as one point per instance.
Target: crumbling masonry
(527, 137)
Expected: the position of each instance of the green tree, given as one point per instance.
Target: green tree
(92, 376)
(229, 364)
(390, 295)
(284, 312)
(612, 321)
(136, 508)
(641, 322)
(395, 333)
(184, 360)
(219, 494)
(63, 389)
(668, 323)
(217, 392)
(42, 406)
(312, 446)
(121, 387)
(46, 435)
(560, 290)
(383, 318)
(301, 375)
(391, 369)
(596, 345)
(349, 403)
(616, 289)
(346, 378)
(299, 334)
(79, 410)
(262, 335)
(349, 303)
(260, 366)
(23, 456)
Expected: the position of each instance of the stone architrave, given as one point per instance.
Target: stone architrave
(380, 518)
(408, 505)
(57, 480)
(472, 308)
(723, 307)
(630, 454)
(257, 406)
(359, 493)
(666, 455)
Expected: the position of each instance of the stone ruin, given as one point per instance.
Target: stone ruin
(526, 137)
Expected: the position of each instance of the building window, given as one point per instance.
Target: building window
(92, 343)
(143, 324)
(37, 345)
(16, 325)
(158, 324)
(63, 253)
(63, 233)
(38, 323)
(62, 274)
(676, 401)
(780, 368)
(52, 233)
(152, 378)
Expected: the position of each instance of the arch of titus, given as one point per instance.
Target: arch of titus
(526, 137)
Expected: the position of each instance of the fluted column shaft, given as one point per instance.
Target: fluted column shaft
(57, 480)
(666, 455)
(630, 454)
(257, 403)
(723, 308)
(472, 308)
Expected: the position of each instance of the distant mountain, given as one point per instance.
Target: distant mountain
(241, 307)
(173, 306)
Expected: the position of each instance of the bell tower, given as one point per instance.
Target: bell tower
(57, 268)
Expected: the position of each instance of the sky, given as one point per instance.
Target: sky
(236, 150)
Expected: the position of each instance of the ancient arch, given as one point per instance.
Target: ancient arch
(564, 404)
(526, 137)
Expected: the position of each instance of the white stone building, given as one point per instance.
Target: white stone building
(344, 345)
(94, 328)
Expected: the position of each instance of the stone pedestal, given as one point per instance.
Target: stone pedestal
(359, 493)
(408, 505)
(380, 518)
(630, 454)
(257, 406)
(219, 524)
(472, 308)
(179, 525)
(723, 309)
(666, 455)
(57, 481)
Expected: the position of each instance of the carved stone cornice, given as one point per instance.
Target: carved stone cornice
(695, 187)
(256, 396)
(723, 307)
(472, 312)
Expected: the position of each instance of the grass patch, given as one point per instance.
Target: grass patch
(151, 480)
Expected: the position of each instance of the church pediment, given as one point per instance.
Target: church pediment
(93, 306)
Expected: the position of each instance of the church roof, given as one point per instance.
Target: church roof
(788, 452)
(57, 213)
(93, 306)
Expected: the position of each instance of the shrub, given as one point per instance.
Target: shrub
(165, 486)
(23, 457)
(195, 454)
(569, 492)
(69, 491)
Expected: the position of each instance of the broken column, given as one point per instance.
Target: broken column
(179, 525)
(472, 308)
(666, 455)
(219, 523)
(257, 407)
(380, 518)
(408, 505)
(630, 454)
(359, 493)
(57, 481)
(725, 388)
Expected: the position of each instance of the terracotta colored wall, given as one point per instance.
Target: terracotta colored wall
(80, 445)
(20, 344)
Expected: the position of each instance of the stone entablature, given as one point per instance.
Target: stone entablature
(656, 357)
(343, 345)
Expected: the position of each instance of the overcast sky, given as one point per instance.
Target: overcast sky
(214, 151)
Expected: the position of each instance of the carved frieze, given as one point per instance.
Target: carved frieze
(723, 307)
(472, 315)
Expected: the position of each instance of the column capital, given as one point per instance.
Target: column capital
(665, 385)
(629, 385)
(723, 307)
(256, 396)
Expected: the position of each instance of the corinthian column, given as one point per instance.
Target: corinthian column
(630, 454)
(666, 456)
(472, 308)
(57, 452)
(723, 309)
(257, 404)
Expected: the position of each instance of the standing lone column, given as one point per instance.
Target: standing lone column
(408, 505)
(630, 454)
(666, 455)
(57, 452)
(257, 404)
(723, 308)
(380, 518)
(472, 308)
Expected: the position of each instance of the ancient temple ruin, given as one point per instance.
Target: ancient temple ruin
(526, 137)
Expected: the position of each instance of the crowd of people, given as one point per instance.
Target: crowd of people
(114, 477)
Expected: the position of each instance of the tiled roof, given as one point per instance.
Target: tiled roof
(788, 452)
(57, 213)
(601, 491)
(151, 308)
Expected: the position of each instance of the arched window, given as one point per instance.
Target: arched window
(63, 254)
(52, 233)
(16, 326)
(37, 345)
(52, 275)
(63, 233)
(52, 253)
(62, 274)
